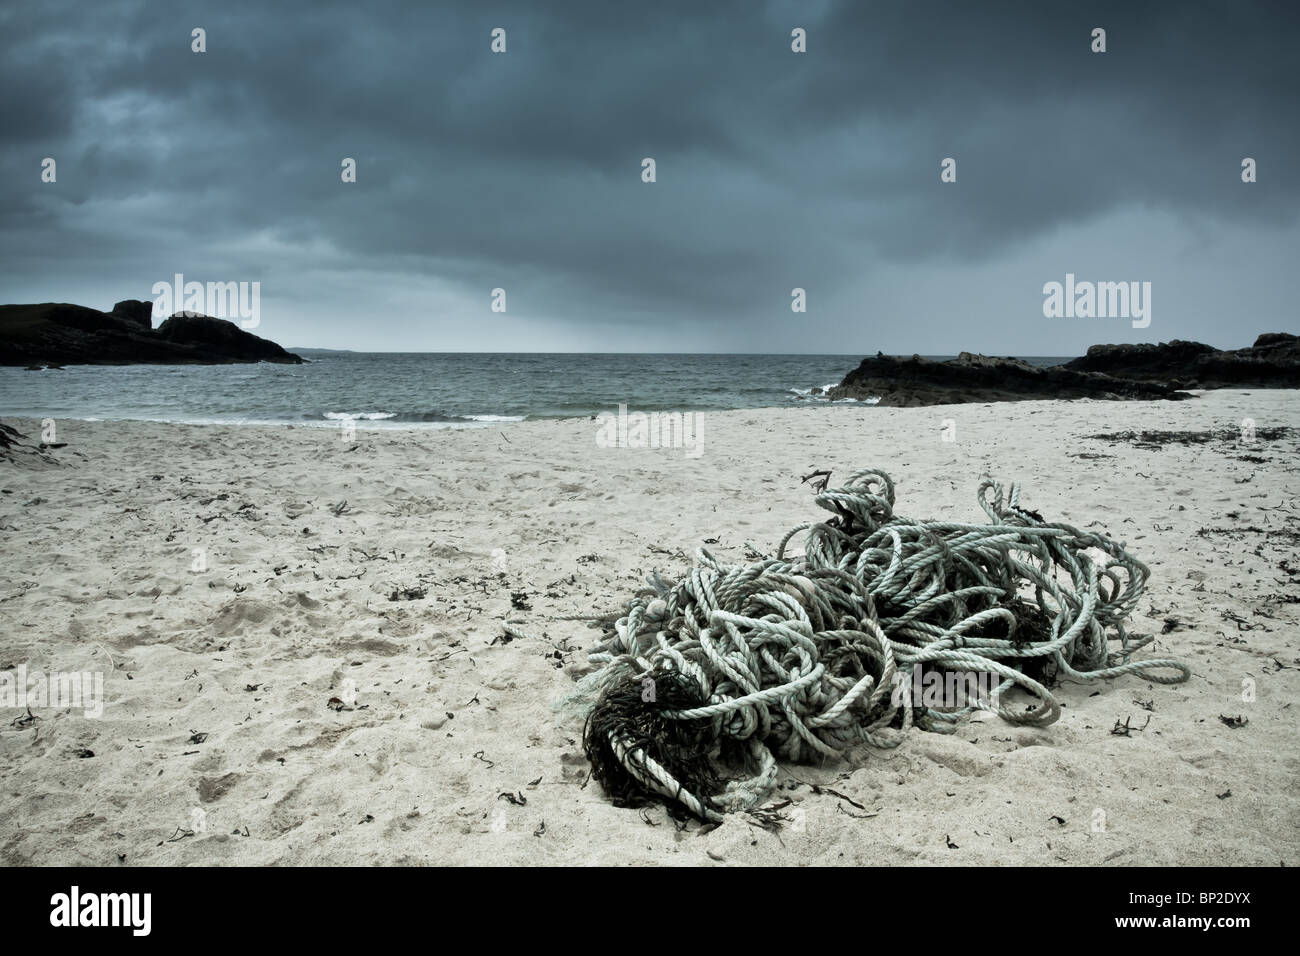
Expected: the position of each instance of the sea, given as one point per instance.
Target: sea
(426, 389)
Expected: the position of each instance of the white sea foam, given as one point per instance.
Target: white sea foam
(815, 394)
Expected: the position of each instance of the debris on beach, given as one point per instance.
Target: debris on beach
(706, 682)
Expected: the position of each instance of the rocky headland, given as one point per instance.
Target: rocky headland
(54, 334)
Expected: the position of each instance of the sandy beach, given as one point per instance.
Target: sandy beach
(229, 582)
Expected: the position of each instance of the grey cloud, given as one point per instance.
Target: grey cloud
(522, 170)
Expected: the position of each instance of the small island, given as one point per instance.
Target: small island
(54, 334)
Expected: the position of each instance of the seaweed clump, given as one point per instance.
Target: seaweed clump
(632, 711)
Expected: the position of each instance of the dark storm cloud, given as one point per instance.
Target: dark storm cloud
(523, 170)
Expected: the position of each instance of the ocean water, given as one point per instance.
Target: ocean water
(439, 390)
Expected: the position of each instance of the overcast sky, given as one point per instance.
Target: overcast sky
(775, 169)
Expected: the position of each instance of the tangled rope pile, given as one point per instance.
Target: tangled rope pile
(801, 657)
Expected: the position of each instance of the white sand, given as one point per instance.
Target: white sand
(96, 576)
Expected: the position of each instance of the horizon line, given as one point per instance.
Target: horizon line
(322, 348)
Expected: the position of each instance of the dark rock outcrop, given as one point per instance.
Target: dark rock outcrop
(1269, 339)
(141, 313)
(1272, 362)
(58, 333)
(219, 336)
(980, 378)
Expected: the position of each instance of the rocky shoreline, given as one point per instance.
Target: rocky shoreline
(1272, 362)
(54, 334)
(1107, 372)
